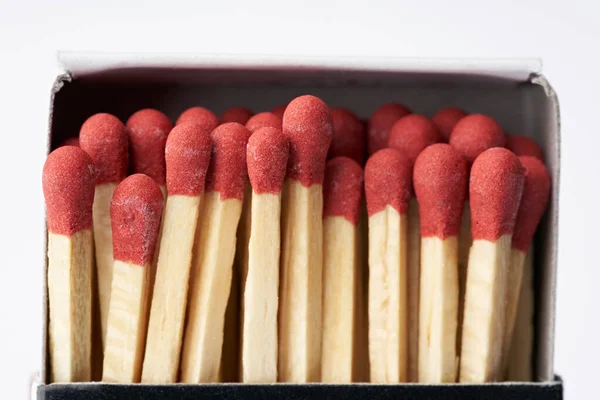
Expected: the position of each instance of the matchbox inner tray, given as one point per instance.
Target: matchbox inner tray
(512, 91)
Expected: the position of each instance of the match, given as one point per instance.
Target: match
(440, 180)
(349, 136)
(201, 116)
(524, 146)
(279, 110)
(446, 119)
(187, 154)
(388, 187)
(342, 196)
(267, 155)
(104, 138)
(214, 250)
(380, 124)
(136, 212)
(263, 120)
(307, 125)
(68, 184)
(496, 187)
(241, 115)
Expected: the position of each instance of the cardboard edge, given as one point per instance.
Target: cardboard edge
(548, 372)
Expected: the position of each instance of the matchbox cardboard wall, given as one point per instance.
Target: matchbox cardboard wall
(513, 91)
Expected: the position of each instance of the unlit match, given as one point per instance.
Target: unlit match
(381, 122)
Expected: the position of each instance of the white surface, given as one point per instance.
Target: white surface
(563, 33)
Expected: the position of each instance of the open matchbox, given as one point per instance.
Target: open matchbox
(513, 91)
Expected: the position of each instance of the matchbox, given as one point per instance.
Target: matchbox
(514, 92)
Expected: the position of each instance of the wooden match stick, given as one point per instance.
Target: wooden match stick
(520, 362)
(388, 187)
(263, 120)
(536, 193)
(342, 195)
(307, 125)
(495, 187)
(187, 154)
(68, 183)
(148, 130)
(136, 212)
(380, 124)
(241, 115)
(471, 136)
(446, 119)
(349, 136)
(214, 249)
(267, 156)
(200, 116)
(411, 135)
(440, 180)
(104, 138)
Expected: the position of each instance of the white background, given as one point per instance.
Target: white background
(565, 34)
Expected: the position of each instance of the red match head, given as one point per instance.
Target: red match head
(241, 115)
(135, 213)
(227, 170)
(148, 130)
(446, 119)
(307, 125)
(187, 155)
(412, 134)
(380, 124)
(104, 138)
(440, 180)
(524, 146)
(263, 120)
(267, 155)
(348, 135)
(388, 181)
(72, 141)
(279, 110)
(69, 181)
(476, 133)
(201, 116)
(495, 190)
(536, 194)
(342, 189)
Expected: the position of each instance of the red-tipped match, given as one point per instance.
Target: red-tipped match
(267, 156)
(440, 179)
(227, 170)
(524, 146)
(148, 130)
(104, 138)
(476, 133)
(447, 118)
(187, 155)
(263, 120)
(307, 125)
(342, 189)
(72, 141)
(381, 122)
(69, 181)
(388, 180)
(199, 115)
(495, 191)
(349, 136)
(412, 134)
(279, 110)
(536, 194)
(135, 213)
(241, 115)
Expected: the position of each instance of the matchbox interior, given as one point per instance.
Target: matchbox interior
(517, 95)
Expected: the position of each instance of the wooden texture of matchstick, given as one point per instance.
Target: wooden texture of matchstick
(536, 194)
(307, 125)
(136, 211)
(214, 249)
(496, 187)
(267, 155)
(68, 184)
(388, 187)
(440, 181)
(187, 153)
(104, 138)
(342, 195)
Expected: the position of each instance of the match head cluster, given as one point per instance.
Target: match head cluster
(441, 161)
